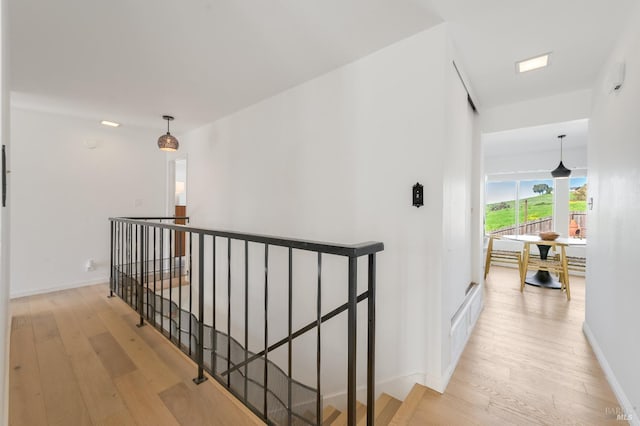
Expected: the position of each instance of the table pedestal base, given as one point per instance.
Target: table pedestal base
(543, 279)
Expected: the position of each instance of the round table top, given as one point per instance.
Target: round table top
(536, 239)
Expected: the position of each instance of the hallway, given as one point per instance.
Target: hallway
(527, 362)
(78, 358)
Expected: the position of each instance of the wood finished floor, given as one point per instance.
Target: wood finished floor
(77, 358)
(527, 362)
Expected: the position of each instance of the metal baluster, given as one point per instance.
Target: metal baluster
(132, 265)
(200, 319)
(180, 243)
(140, 299)
(246, 315)
(266, 324)
(228, 310)
(116, 252)
(124, 262)
(146, 269)
(120, 258)
(351, 342)
(135, 268)
(155, 273)
(162, 281)
(127, 264)
(200, 346)
(116, 258)
(170, 287)
(289, 344)
(318, 342)
(111, 283)
(214, 344)
(371, 340)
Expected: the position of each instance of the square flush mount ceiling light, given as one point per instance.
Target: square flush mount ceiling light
(109, 123)
(533, 63)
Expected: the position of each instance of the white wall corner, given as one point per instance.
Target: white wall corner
(628, 410)
(437, 383)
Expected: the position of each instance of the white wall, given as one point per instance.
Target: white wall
(536, 162)
(63, 193)
(457, 228)
(613, 293)
(535, 112)
(5, 322)
(334, 159)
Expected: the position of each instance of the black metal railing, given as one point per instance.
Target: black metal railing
(153, 259)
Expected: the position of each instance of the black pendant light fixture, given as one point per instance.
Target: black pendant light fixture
(168, 142)
(561, 171)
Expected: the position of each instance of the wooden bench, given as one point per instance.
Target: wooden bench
(502, 256)
(575, 263)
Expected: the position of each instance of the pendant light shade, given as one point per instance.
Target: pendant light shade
(561, 171)
(168, 142)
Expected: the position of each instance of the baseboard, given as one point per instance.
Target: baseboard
(627, 411)
(17, 294)
(464, 321)
(5, 386)
(397, 387)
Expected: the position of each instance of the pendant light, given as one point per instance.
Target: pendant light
(561, 171)
(168, 142)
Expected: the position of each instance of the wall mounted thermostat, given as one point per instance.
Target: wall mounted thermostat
(418, 195)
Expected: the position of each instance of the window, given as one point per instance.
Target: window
(536, 206)
(519, 207)
(500, 212)
(578, 207)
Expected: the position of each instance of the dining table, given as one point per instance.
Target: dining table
(544, 278)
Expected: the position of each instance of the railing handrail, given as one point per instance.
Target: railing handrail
(135, 241)
(349, 250)
(153, 217)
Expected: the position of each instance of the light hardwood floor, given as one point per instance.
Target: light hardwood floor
(527, 362)
(78, 359)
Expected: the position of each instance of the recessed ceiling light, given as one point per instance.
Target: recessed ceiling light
(109, 123)
(533, 63)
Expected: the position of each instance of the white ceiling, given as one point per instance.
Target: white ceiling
(134, 60)
(492, 35)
